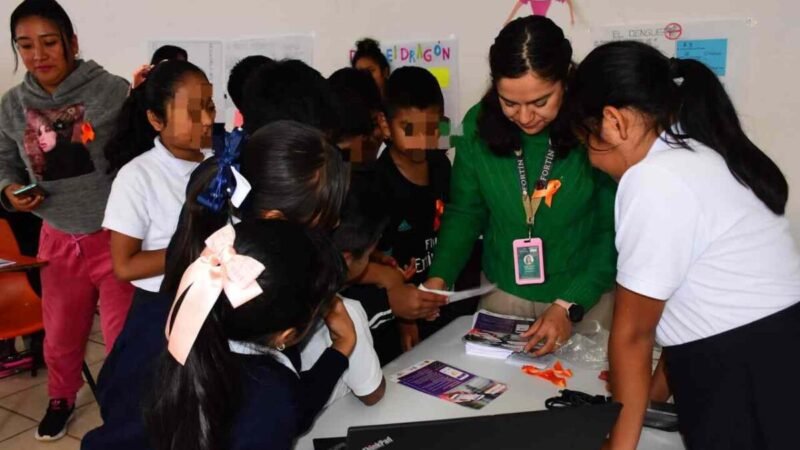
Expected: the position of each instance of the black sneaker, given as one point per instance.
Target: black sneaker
(54, 424)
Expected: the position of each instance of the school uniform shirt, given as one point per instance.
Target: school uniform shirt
(689, 233)
(146, 200)
(364, 374)
(414, 211)
(382, 321)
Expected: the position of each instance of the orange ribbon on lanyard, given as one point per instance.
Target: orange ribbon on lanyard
(552, 187)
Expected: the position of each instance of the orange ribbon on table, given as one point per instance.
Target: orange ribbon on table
(552, 187)
(557, 374)
(87, 133)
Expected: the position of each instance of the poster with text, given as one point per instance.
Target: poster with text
(722, 45)
(439, 56)
(296, 46)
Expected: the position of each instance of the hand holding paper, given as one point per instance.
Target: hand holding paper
(455, 296)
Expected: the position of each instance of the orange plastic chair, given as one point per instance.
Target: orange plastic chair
(20, 307)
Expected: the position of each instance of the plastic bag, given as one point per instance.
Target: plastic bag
(587, 348)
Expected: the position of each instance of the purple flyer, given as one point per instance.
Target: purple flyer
(449, 383)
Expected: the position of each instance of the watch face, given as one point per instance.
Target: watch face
(576, 313)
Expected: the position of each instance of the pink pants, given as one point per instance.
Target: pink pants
(77, 274)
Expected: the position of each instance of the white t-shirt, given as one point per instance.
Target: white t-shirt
(688, 232)
(146, 200)
(364, 374)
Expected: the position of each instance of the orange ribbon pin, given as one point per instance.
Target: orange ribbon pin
(552, 187)
(87, 133)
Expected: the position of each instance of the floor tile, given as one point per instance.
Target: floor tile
(86, 418)
(21, 381)
(97, 337)
(12, 424)
(94, 353)
(32, 402)
(26, 441)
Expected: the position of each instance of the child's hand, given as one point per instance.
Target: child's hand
(435, 283)
(409, 334)
(343, 333)
(408, 302)
(410, 269)
(382, 258)
(140, 75)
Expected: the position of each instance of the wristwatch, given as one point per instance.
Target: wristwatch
(574, 310)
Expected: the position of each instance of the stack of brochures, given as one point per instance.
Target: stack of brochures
(499, 336)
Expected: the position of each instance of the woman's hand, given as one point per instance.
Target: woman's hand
(553, 329)
(340, 326)
(22, 204)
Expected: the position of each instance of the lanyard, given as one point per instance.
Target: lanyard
(530, 204)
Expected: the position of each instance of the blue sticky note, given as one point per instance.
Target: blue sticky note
(711, 52)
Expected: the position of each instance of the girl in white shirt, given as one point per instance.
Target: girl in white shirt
(164, 127)
(707, 265)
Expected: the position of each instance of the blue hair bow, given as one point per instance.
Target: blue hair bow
(223, 185)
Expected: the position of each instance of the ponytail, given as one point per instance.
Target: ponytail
(707, 115)
(133, 134)
(193, 404)
(672, 91)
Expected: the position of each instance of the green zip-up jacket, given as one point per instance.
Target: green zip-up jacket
(486, 199)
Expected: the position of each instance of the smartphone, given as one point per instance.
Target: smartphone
(30, 190)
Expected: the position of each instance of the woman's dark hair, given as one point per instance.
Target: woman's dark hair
(239, 74)
(370, 48)
(528, 44)
(289, 90)
(195, 223)
(358, 98)
(133, 134)
(193, 406)
(168, 53)
(46, 9)
(293, 169)
(669, 92)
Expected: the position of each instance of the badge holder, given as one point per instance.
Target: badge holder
(529, 261)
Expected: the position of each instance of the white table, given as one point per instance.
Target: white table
(403, 404)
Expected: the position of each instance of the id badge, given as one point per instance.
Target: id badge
(529, 261)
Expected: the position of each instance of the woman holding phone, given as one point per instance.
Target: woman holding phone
(55, 125)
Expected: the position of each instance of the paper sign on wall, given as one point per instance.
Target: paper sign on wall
(206, 55)
(439, 56)
(722, 45)
(217, 57)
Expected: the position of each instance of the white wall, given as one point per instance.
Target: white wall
(115, 34)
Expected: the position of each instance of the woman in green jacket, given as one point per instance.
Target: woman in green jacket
(546, 216)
